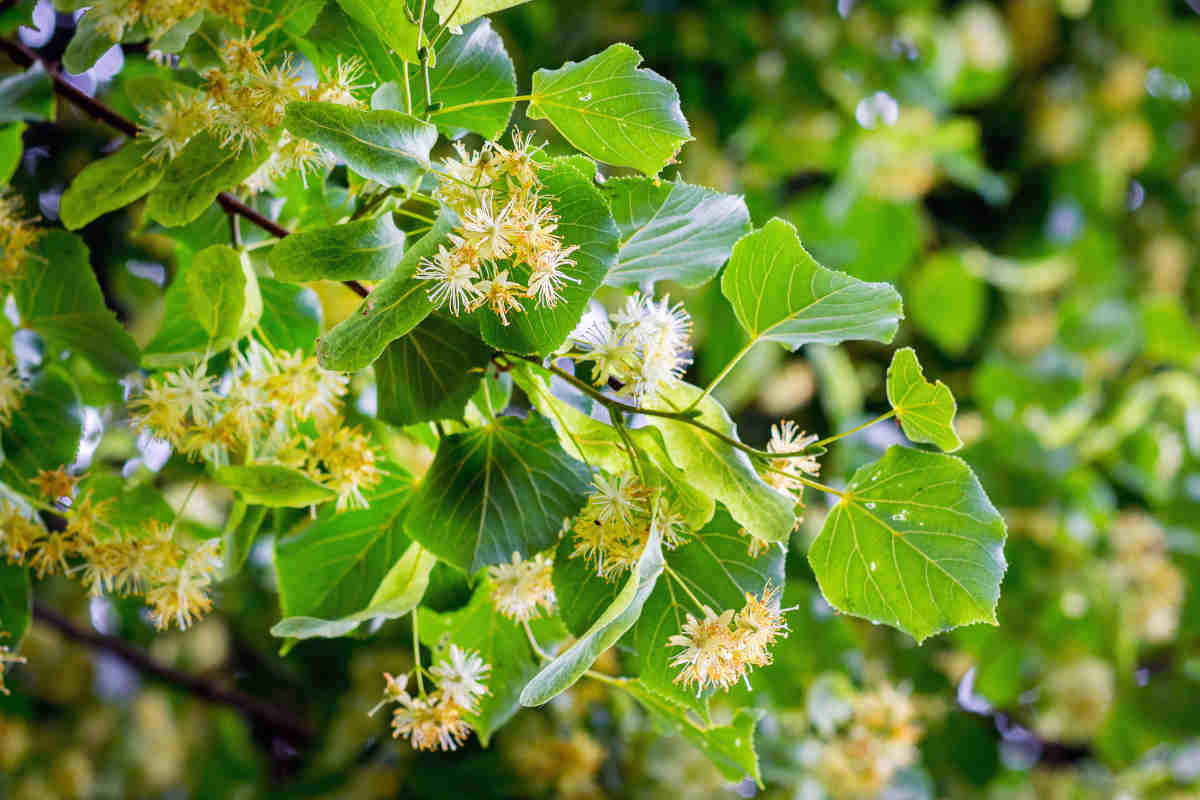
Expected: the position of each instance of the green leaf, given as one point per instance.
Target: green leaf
(430, 373)
(926, 411)
(58, 297)
(238, 537)
(467, 10)
(11, 147)
(947, 302)
(470, 67)
(493, 491)
(780, 294)
(611, 110)
(174, 38)
(720, 470)
(1171, 336)
(27, 96)
(585, 222)
(335, 34)
(594, 442)
(672, 231)
(501, 643)
(210, 304)
(194, 178)
(394, 307)
(399, 593)
(569, 666)
(87, 45)
(914, 543)
(365, 249)
(583, 596)
(291, 318)
(16, 605)
(347, 568)
(273, 486)
(387, 20)
(729, 747)
(388, 147)
(716, 566)
(110, 183)
(45, 430)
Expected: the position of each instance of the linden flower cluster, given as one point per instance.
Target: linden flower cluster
(644, 346)
(173, 579)
(434, 721)
(880, 740)
(720, 649)
(522, 589)
(17, 235)
(505, 248)
(115, 17)
(612, 529)
(787, 474)
(1152, 587)
(12, 388)
(243, 103)
(260, 414)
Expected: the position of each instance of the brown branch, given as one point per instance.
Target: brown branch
(278, 719)
(26, 57)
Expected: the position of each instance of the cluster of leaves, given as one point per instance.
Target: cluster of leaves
(513, 426)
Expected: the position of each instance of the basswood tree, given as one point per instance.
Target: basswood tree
(590, 495)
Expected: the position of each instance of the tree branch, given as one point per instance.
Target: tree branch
(26, 57)
(278, 719)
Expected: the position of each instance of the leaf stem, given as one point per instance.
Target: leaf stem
(619, 424)
(844, 434)
(808, 482)
(416, 630)
(533, 642)
(724, 372)
(407, 89)
(516, 98)
(414, 215)
(678, 579)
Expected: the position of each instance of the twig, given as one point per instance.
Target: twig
(27, 57)
(278, 719)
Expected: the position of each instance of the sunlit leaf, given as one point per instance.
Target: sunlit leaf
(365, 249)
(925, 410)
(110, 183)
(272, 485)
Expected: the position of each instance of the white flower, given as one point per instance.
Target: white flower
(455, 278)
(460, 679)
(522, 588)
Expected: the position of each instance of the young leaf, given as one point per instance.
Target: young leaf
(493, 491)
(58, 297)
(347, 568)
(430, 373)
(110, 183)
(11, 147)
(273, 486)
(672, 231)
(365, 249)
(16, 604)
(584, 221)
(464, 11)
(780, 294)
(561, 673)
(394, 307)
(87, 44)
(334, 35)
(470, 67)
(238, 537)
(914, 543)
(716, 566)
(209, 305)
(612, 110)
(925, 410)
(388, 147)
(722, 471)
(729, 747)
(194, 178)
(501, 643)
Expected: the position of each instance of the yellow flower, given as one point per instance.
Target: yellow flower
(711, 655)
(523, 588)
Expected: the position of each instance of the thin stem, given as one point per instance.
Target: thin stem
(516, 98)
(445, 25)
(405, 212)
(619, 683)
(807, 482)
(865, 425)
(417, 650)
(407, 88)
(533, 642)
(724, 372)
(676, 577)
(619, 424)
(235, 231)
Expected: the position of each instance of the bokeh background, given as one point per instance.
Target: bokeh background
(1027, 173)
